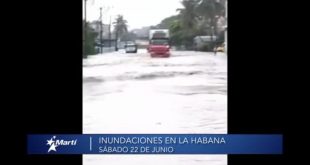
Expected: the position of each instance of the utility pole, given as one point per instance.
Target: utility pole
(101, 30)
(116, 39)
(212, 42)
(110, 33)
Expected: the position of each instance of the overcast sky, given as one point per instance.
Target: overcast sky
(138, 13)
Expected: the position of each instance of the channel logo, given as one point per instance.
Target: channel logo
(53, 143)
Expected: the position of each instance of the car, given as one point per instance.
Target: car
(220, 48)
(98, 47)
(131, 47)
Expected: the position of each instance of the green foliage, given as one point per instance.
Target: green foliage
(167, 22)
(120, 26)
(197, 17)
(89, 41)
(176, 33)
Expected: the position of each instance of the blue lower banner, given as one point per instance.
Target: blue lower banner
(155, 144)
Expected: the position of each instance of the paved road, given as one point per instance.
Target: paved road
(133, 93)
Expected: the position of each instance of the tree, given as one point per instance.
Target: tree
(187, 14)
(167, 22)
(188, 21)
(176, 33)
(89, 44)
(120, 26)
(211, 10)
(197, 17)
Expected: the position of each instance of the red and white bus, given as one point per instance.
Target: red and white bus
(159, 43)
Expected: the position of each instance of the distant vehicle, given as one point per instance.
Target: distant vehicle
(159, 43)
(98, 47)
(131, 47)
(204, 43)
(220, 48)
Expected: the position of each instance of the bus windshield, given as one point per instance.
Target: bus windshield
(159, 42)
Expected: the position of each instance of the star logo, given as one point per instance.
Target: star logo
(52, 144)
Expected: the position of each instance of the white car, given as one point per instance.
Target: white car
(131, 47)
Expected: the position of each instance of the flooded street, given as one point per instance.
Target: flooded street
(133, 93)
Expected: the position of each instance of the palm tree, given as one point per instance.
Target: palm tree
(188, 20)
(210, 10)
(120, 26)
(188, 14)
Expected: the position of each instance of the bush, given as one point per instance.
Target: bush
(89, 44)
